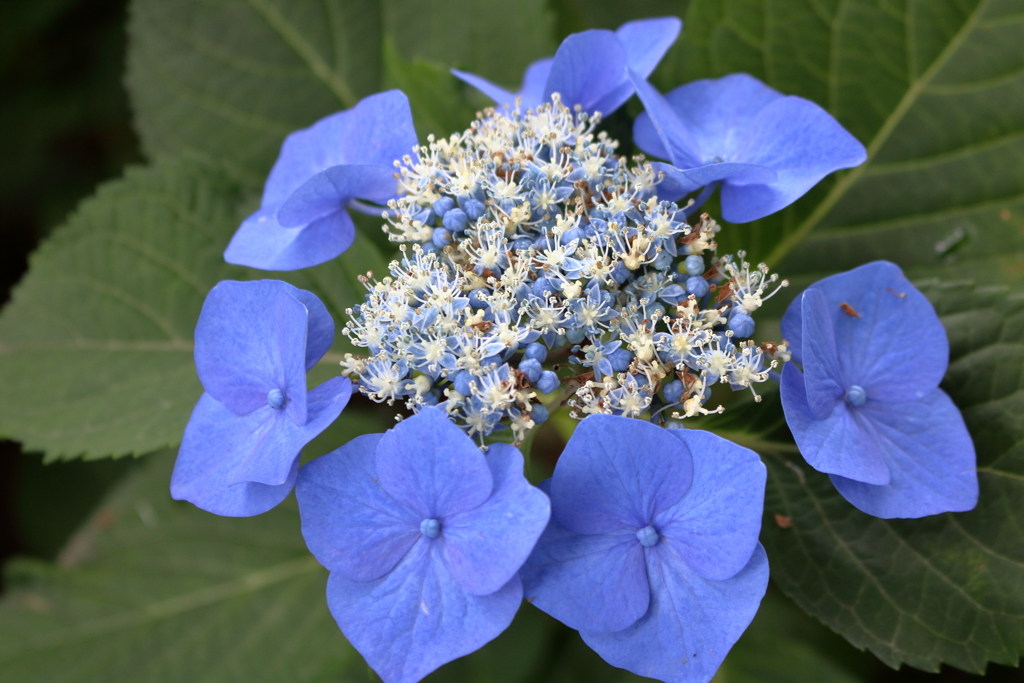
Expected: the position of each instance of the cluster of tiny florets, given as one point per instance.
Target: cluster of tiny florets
(526, 239)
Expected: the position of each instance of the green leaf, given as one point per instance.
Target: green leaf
(156, 590)
(943, 589)
(487, 36)
(933, 88)
(96, 344)
(227, 81)
(784, 644)
(438, 101)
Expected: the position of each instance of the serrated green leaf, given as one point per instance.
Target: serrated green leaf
(934, 89)
(943, 589)
(227, 81)
(489, 36)
(96, 344)
(152, 589)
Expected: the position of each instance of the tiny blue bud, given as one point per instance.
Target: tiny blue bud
(443, 205)
(275, 399)
(742, 325)
(673, 391)
(478, 299)
(547, 383)
(539, 414)
(473, 208)
(647, 536)
(455, 220)
(570, 235)
(620, 273)
(672, 424)
(575, 335)
(537, 351)
(856, 395)
(521, 243)
(694, 264)
(543, 288)
(441, 237)
(697, 286)
(531, 368)
(431, 528)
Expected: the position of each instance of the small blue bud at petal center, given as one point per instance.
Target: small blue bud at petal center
(430, 528)
(647, 536)
(856, 396)
(275, 399)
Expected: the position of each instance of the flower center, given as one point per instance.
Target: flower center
(856, 395)
(430, 528)
(275, 399)
(647, 536)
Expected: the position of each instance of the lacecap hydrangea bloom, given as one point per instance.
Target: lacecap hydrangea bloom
(765, 149)
(537, 268)
(525, 236)
(652, 550)
(423, 536)
(866, 409)
(254, 343)
(589, 69)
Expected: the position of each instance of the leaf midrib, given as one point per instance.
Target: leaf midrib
(849, 179)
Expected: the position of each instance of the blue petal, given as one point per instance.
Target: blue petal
(823, 379)
(675, 183)
(417, 617)
(329, 190)
(500, 96)
(487, 545)
(677, 145)
(716, 524)
(350, 523)
(430, 465)
(243, 465)
(586, 68)
(647, 40)
(691, 624)
(716, 114)
(535, 79)
(264, 243)
(378, 130)
(929, 453)
(897, 349)
(594, 582)
(802, 142)
(617, 472)
(319, 326)
(836, 444)
(732, 172)
(251, 339)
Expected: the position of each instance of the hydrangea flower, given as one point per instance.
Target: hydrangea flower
(766, 149)
(589, 68)
(652, 550)
(867, 409)
(254, 343)
(423, 535)
(321, 171)
(527, 231)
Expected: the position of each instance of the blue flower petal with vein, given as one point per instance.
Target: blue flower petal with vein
(589, 69)
(321, 172)
(652, 550)
(254, 343)
(423, 535)
(866, 409)
(766, 149)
